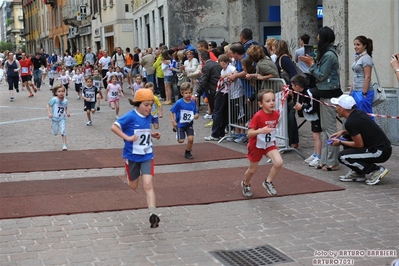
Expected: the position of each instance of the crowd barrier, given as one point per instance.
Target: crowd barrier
(240, 112)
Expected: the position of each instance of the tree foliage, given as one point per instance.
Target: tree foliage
(6, 46)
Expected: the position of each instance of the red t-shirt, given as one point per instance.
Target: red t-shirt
(26, 67)
(260, 120)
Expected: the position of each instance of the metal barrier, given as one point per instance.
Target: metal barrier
(241, 111)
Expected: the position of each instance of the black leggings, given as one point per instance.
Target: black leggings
(12, 81)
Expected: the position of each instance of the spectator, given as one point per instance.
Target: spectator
(284, 64)
(326, 72)
(246, 40)
(395, 64)
(365, 144)
(208, 81)
(362, 90)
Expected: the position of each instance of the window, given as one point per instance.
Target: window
(127, 8)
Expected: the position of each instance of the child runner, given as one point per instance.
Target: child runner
(135, 129)
(137, 84)
(310, 110)
(120, 76)
(65, 78)
(97, 83)
(89, 97)
(78, 79)
(51, 75)
(57, 110)
(112, 93)
(157, 111)
(262, 141)
(182, 115)
(87, 70)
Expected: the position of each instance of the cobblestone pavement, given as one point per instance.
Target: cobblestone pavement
(359, 218)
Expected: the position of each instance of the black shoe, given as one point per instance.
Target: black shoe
(154, 221)
(98, 108)
(188, 155)
(17, 90)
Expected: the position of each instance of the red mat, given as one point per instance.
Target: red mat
(98, 194)
(19, 162)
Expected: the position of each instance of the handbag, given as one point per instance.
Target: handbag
(196, 73)
(379, 92)
(285, 75)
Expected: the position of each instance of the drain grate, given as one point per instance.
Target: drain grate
(263, 255)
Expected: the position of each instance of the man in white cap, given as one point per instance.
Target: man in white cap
(365, 144)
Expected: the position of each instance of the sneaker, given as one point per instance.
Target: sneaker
(64, 147)
(116, 117)
(30, 96)
(241, 139)
(210, 138)
(154, 220)
(11, 99)
(98, 108)
(311, 158)
(208, 116)
(246, 190)
(270, 188)
(50, 87)
(35, 90)
(314, 162)
(352, 176)
(17, 90)
(188, 155)
(78, 97)
(210, 124)
(89, 123)
(377, 175)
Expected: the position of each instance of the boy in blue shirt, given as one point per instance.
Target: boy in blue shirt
(135, 129)
(182, 115)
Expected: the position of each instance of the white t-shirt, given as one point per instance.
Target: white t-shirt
(105, 61)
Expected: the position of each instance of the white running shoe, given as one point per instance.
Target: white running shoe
(311, 158)
(316, 161)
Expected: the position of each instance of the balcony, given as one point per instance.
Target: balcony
(69, 14)
(50, 2)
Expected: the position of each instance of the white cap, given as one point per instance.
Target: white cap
(345, 101)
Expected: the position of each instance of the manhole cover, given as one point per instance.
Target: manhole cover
(264, 255)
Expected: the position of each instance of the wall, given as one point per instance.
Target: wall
(197, 20)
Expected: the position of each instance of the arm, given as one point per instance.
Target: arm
(367, 80)
(50, 115)
(356, 142)
(254, 132)
(173, 120)
(67, 112)
(395, 64)
(118, 131)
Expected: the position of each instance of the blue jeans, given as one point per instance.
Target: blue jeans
(37, 77)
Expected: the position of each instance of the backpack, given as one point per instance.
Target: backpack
(123, 55)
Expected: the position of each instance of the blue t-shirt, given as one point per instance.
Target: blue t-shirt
(184, 112)
(249, 90)
(134, 123)
(58, 108)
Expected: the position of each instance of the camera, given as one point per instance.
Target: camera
(309, 49)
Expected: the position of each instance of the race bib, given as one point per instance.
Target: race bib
(264, 141)
(97, 83)
(90, 95)
(58, 110)
(186, 116)
(25, 70)
(143, 145)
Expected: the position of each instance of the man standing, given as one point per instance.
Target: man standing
(147, 62)
(247, 40)
(365, 144)
(207, 83)
(38, 60)
(310, 79)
